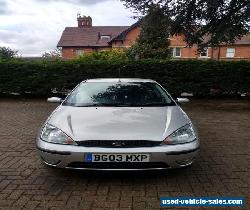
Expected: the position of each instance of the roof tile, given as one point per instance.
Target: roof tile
(83, 37)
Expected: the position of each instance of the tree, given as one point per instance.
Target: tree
(7, 53)
(153, 40)
(54, 54)
(203, 22)
(109, 55)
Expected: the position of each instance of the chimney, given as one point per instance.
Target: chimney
(84, 21)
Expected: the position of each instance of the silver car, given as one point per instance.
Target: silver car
(118, 124)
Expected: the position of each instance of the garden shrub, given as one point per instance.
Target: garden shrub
(39, 78)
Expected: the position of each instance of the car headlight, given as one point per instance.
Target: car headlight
(182, 135)
(54, 135)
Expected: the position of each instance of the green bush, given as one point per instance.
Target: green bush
(39, 78)
(107, 55)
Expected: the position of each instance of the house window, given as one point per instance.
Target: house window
(176, 52)
(105, 37)
(230, 52)
(79, 52)
(204, 52)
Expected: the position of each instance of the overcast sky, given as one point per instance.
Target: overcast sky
(35, 26)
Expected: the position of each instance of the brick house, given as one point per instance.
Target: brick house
(87, 38)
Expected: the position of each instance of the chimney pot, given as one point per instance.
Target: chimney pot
(84, 21)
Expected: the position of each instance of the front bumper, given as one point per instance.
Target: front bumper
(161, 157)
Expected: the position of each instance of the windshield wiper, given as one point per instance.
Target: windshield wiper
(122, 105)
(156, 104)
(100, 105)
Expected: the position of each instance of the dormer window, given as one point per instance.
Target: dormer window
(105, 37)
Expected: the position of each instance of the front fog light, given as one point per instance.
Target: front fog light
(185, 162)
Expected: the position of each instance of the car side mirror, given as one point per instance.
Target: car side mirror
(54, 100)
(182, 100)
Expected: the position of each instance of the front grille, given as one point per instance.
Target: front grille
(121, 165)
(118, 144)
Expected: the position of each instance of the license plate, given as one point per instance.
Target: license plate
(94, 157)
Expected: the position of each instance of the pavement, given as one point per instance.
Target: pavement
(221, 169)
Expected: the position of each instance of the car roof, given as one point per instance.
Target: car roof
(114, 80)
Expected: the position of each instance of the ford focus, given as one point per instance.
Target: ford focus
(118, 124)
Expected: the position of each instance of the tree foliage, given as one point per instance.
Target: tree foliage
(153, 40)
(203, 22)
(108, 55)
(54, 54)
(6, 53)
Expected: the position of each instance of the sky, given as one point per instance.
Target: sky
(35, 26)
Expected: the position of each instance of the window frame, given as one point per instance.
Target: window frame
(205, 56)
(227, 53)
(102, 37)
(79, 50)
(174, 52)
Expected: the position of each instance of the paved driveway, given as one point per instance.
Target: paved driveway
(221, 168)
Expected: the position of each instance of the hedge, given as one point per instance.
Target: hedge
(39, 78)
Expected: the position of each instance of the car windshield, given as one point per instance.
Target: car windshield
(118, 94)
